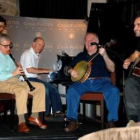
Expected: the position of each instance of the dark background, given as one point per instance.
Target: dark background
(111, 20)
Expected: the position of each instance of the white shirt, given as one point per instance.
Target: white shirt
(29, 59)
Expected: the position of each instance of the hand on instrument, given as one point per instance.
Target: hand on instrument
(18, 71)
(102, 51)
(73, 73)
(126, 63)
(18, 64)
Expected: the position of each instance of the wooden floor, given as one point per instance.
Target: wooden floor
(54, 131)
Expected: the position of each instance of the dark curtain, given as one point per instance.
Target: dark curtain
(131, 7)
(60, 9)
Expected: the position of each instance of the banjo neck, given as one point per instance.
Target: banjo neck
(92, 57)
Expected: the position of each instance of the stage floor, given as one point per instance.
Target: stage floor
(54, 131)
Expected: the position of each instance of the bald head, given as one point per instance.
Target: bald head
(38, 44)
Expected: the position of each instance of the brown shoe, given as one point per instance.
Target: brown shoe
(59, 114)
(72, 126)
(48, 117)
(22, 128)
(110, 125)
(37, 122)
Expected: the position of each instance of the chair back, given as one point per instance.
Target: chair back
(113, 78)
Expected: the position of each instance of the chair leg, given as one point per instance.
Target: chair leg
(5, 110)
(102, 114)
(84, 112)
(30, 106)
(12, 115)
(94, 111)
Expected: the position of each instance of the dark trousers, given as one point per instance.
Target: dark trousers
(52, 96)
(132, 96)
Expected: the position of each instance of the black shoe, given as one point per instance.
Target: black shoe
(59, 114)
(48, 117)
(72, 126)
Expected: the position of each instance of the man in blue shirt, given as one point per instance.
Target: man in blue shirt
(97, 80)
(9, 83)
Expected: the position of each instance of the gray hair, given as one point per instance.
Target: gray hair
(92, 33)
(4, 37)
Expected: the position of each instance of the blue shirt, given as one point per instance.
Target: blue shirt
(7, 66)
(98, 67)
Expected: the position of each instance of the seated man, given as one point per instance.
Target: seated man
(9, 83)
(98, 81)
(29, 61)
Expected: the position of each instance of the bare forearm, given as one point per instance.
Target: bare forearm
(38, 70)
(134, 56)
(109, 63)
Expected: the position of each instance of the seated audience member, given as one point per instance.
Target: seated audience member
(132, 84)
(98, 81)
(9, 83)
(3, 25)
(29, 61)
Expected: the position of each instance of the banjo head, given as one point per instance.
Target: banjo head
(81, 68)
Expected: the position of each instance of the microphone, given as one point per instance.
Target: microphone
(93, 43)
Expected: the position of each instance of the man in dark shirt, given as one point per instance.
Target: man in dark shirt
(98, 80)
(132, 83)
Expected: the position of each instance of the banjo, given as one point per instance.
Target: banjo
(84, 67)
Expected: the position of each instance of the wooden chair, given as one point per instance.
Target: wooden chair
(11, 97)
(96, 97)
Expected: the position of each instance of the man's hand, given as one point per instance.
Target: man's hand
(102, 51)
(18, 71)
(126, 63)
(73, 73)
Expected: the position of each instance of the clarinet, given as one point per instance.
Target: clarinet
(24, 76)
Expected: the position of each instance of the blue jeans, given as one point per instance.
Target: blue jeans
(110, 92)
(52, 96)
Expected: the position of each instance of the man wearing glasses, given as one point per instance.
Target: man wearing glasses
(6, 46)
(9, 83)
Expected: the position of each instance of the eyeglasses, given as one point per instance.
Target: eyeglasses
(6, 46)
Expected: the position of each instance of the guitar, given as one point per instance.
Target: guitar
(135, 68)
(84, 67)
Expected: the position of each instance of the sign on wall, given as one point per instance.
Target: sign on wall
(59, 35)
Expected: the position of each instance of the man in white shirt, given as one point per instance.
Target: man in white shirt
(29, 61)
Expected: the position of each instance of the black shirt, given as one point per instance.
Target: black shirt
(138, 46)
(98, 67)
